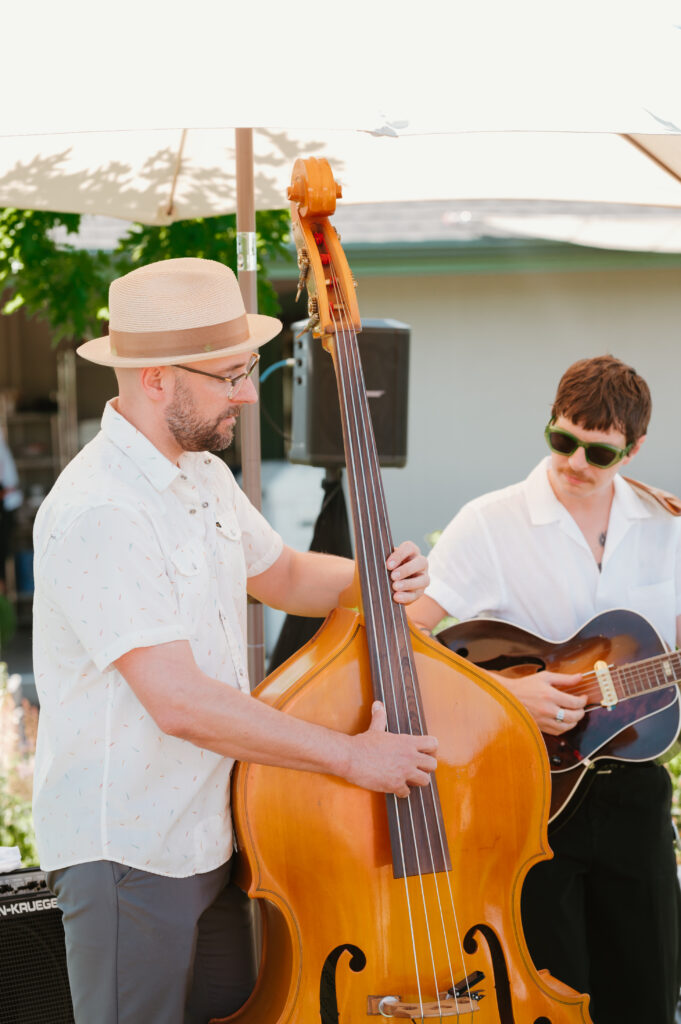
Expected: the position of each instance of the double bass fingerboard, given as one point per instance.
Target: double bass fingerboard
(419, 843)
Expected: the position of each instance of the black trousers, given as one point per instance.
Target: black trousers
(604, 916)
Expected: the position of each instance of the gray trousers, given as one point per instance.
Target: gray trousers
(147, 949)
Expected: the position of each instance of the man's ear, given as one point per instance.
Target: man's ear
(155, 381)
(635, 450)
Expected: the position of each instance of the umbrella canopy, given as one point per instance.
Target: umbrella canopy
(446, 101)
(156, 177)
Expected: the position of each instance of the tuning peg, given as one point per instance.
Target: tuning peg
(309, 326)
(304, 268)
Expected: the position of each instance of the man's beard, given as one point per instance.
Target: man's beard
(193, 433)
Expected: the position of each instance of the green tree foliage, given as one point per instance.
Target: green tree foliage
(58, 283)
(212, 238)
(68, 287)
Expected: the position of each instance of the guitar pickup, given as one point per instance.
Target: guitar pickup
(607, 686)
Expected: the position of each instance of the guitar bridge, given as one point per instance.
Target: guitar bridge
(605, 681)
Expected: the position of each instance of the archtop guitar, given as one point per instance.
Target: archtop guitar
(629, 676)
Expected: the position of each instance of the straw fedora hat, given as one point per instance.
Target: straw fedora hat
(177, 311)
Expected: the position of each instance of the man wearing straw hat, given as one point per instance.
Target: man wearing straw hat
(145, 551)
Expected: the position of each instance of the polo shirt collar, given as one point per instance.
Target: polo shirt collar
(159, 471)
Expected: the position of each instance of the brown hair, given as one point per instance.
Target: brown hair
(603, 394)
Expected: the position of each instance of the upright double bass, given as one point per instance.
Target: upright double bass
(380, 907)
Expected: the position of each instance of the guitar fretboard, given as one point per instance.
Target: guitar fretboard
(649, 674)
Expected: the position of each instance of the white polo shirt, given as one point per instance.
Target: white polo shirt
(133, 551)
(518, 555)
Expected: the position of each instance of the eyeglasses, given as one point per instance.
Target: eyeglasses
(234, 383)
(595, 453)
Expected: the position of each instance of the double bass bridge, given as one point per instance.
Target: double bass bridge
(459, 1000)
(392, 1007)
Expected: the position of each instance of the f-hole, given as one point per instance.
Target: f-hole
(328, 1000)
(500, 970)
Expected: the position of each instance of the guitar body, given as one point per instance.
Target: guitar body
(639, 729)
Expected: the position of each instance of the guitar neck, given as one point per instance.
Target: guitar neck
(640, 677)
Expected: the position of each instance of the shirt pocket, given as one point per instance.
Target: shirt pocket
(190, 581)
(228, 529)
(230, 561)
(230, 556)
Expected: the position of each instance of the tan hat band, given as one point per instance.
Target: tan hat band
(165, 344)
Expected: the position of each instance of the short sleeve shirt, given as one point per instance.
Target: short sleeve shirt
(518, 555)
(133, 551)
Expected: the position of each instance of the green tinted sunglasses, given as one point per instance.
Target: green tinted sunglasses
(595, 453)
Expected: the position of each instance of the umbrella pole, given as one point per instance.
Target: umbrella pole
(250, 414)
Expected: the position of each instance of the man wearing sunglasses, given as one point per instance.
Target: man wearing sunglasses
(572, 540)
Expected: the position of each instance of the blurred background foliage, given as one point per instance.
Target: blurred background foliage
(43, 270)
(18, 730)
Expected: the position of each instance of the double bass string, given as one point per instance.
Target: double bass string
(359, 415)
(399, 623)
(350, 419)
(387, 603)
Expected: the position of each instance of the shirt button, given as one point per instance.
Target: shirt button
(192, 511)
(206, 462)
(183, 476)
(204, 504)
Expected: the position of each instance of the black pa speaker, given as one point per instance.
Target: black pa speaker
(316, 433)
(34, 986)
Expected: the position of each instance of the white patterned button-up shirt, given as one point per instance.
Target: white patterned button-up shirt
(133, 551)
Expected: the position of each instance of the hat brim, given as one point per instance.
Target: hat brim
(261, 329)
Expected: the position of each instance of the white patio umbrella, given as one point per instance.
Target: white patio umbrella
(156, 177)
(135, 118)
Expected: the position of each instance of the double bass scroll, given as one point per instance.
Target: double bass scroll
(376, 906)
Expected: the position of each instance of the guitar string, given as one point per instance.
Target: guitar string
(644, 672)
(352, 360)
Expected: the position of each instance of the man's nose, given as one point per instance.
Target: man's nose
(578, 459)
(247, 394)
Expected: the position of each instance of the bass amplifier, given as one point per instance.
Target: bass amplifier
(34, 986)
(316, 433)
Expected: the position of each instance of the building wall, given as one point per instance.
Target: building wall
(487, 351)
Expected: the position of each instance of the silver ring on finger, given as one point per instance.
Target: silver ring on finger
(560, 715)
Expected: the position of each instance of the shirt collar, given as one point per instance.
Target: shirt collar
(159, 471)
(544, 506)
(631, 505)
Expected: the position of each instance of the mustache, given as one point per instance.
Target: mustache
(585, 478)
(233, 411)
